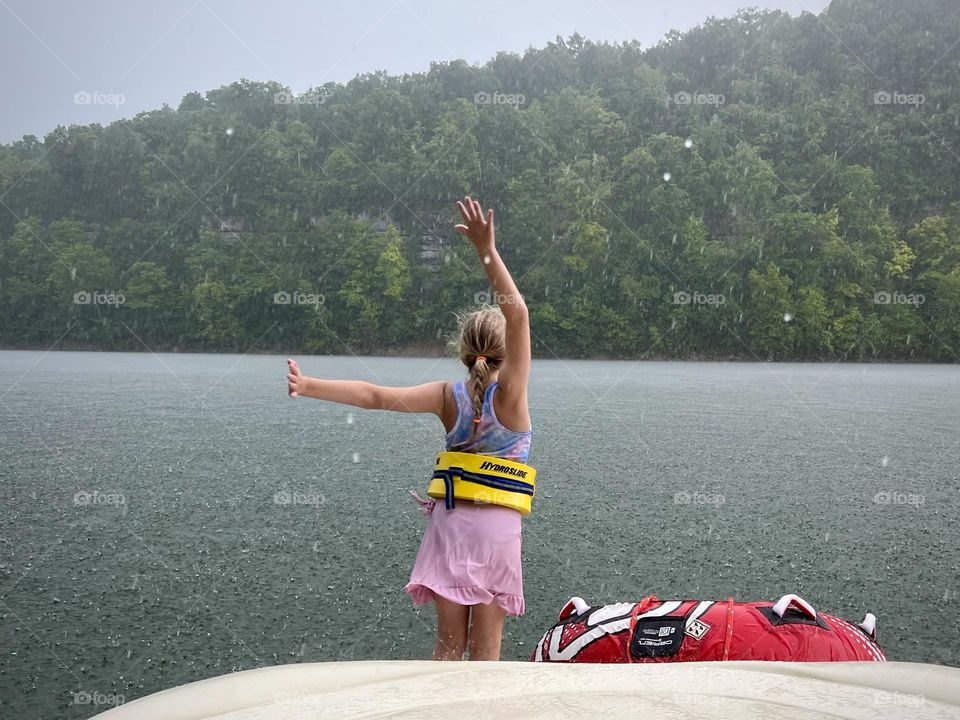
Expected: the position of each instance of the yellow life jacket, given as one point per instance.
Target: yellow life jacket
(483, 479)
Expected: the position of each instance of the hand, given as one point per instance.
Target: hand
(295, 381)
(477, 229)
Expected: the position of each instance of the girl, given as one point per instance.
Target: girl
(469, 558)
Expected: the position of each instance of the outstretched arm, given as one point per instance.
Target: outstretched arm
(427, 398)
(515, 371)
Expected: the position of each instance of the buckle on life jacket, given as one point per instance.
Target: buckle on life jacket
(483, 479)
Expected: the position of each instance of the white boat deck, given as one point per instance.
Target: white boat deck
(516, 690)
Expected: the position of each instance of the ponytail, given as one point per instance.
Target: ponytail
(478, 379)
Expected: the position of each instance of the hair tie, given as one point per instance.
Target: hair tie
(481, 357)
(476, 421)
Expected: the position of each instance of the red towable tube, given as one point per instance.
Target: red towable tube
(655, 630)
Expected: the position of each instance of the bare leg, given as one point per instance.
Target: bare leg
(452, 623)
(486, 631)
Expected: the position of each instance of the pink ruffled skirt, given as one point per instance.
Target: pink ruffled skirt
(470, 555)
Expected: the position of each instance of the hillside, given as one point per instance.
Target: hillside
(758, 187)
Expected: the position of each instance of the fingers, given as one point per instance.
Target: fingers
(292, 377)
(463, 212)
(478, 211)
(490, 216)
(472, 212)
(461, 229)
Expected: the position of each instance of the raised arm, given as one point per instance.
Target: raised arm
(515, 371)
(427, 398)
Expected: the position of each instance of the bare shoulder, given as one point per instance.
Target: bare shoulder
(510, 405)
(448, 415)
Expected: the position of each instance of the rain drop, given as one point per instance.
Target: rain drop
(666, 177)
(229, 131)
(688, 143)
(787, 317)
(356, 458)
(884, 461)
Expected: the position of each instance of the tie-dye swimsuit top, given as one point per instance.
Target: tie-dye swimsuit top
(491, 438)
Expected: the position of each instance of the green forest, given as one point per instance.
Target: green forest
(760, 187)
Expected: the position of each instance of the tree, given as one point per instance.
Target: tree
(772, 310)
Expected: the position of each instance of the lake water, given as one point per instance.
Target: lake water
(141, 545)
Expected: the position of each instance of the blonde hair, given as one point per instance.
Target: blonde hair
(481, 345)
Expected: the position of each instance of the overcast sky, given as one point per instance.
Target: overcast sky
(144, 54)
